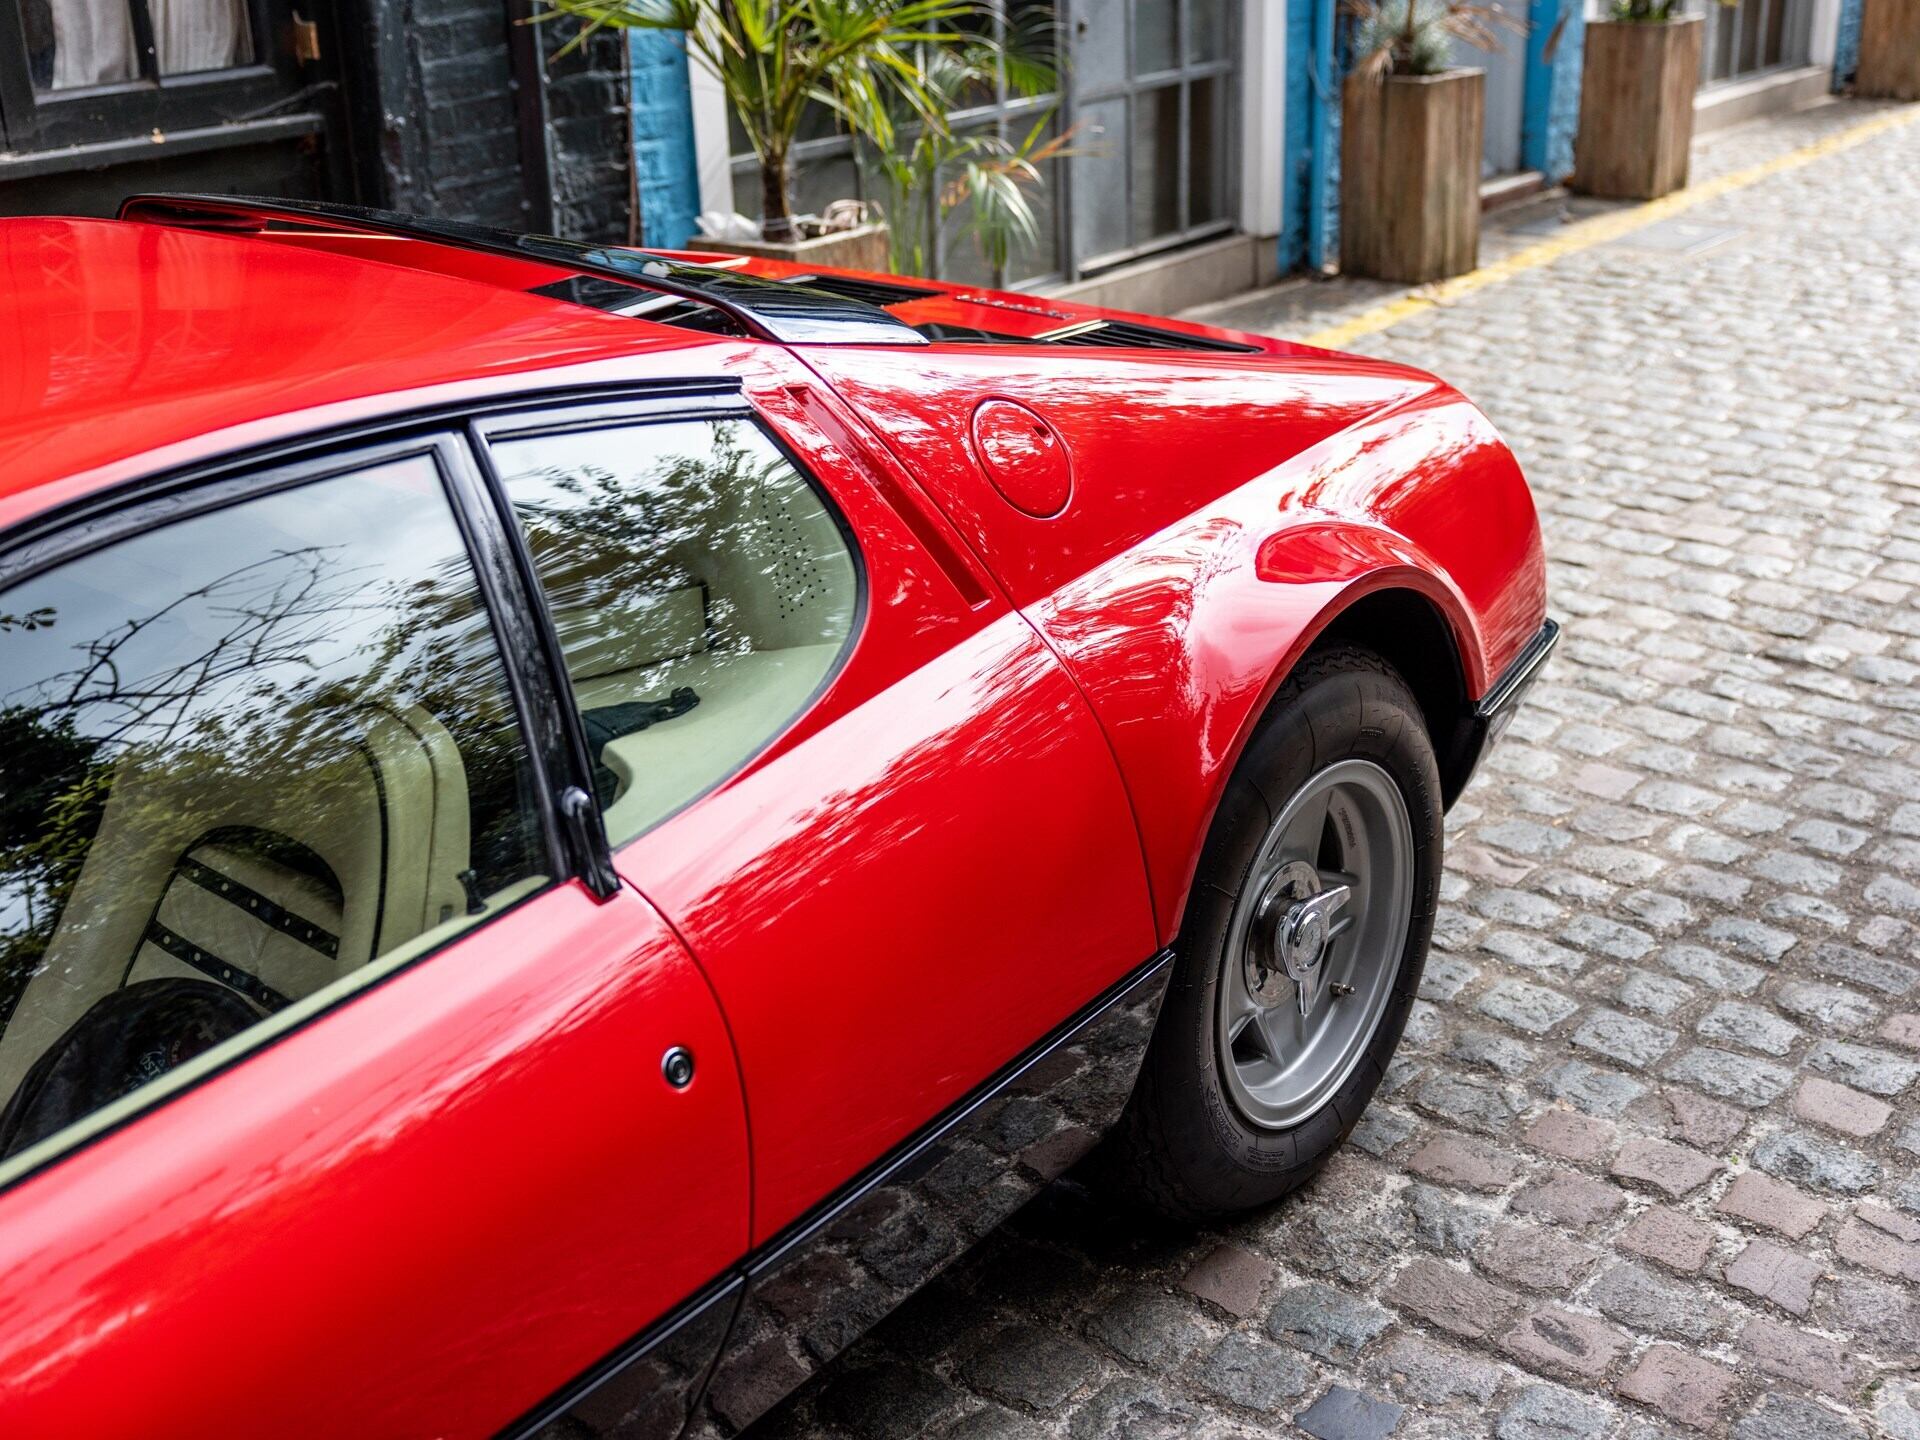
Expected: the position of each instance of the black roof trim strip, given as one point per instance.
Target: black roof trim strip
(772, 309)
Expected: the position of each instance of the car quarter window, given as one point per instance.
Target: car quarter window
(248, 759)
(701, 588)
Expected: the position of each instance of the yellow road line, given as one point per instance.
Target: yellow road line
(1585, 234)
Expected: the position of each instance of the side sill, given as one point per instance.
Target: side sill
(1084, 1070)
(1488, 720)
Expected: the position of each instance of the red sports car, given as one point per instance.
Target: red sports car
(577, 822)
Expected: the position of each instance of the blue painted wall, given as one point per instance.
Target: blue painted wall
(1556, 51)
(1846, 50)
(1297, 147)
(1310, 195)
(665, 169)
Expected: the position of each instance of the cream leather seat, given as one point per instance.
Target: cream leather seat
(745, 603)
(284, 875)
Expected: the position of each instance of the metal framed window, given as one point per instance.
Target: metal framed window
(1148, 93)
(1154, 112)
(1754, 36)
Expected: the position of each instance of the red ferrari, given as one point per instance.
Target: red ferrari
(575, 822)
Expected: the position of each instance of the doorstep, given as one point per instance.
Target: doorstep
(1775, 93)
(1180, 279)
(1504, 190)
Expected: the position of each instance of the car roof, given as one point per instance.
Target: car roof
(119, 338)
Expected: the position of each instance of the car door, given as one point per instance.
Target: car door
(335, 1101)
(856, 782)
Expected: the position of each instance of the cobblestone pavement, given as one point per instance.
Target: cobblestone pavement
(1650, 1161)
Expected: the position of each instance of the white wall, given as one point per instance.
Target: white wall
(1263, 115)
(710, 139)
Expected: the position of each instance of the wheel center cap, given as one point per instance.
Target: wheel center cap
(1292, 931)
(1303, 939)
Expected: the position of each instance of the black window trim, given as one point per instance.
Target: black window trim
(240, 96)
(556, 416)
(75, 531)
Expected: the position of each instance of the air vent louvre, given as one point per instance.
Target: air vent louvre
(873, 292)
(1126, 334)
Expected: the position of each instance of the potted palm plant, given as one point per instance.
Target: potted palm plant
(1636, 101)
(1410, 137)
(775, 60)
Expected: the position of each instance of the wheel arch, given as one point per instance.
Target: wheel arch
(1409, 631)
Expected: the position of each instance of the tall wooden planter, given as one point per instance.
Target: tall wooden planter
(1636, 107)
(1889, 51)
(1410, 175)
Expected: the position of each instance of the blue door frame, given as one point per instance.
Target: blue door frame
(1310, 228)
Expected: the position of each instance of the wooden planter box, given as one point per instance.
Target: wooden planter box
(862, 248)
(1889, 51)
(1410, 175)
(1636, 108)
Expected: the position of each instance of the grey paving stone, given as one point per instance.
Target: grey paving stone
(1589, 1088)
(1152, 1330)
(1624, 1039)
(1749, 1027)
(1344, 1414)
(1430, 1374)
(1547, 1412)
(1442, 1221)
(1134, 1409)
(1790, 1417)
(1254, 1374)
(1879, 1072)
(1739, 1078)
(1816, 1161)
(1525, 1006)
(1030, 1366)
(1326, 1321)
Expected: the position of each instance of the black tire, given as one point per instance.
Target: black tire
(1183, 1148)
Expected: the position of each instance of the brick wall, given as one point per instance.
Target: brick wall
(587, 119)
(456, 141)
(449, 136)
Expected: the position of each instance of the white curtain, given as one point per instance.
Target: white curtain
(93, 39)
(92, 43)
(191, 35)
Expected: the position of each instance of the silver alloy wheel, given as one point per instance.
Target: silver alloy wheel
(1314, 943)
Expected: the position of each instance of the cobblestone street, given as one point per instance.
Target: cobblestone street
(1649, 1163)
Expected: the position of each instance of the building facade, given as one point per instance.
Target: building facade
(448, 107)
(1202, 135)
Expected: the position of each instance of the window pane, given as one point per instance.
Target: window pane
(1156, 36)
(1207, 159)
(71, 43)
(1043, 256)
(1099, 45)
(1206, 30)
(241, 756)
(1156, 163)
(702, 592)
(193, 35)
(1100, 180)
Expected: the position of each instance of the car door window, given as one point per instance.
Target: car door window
(247, 759)
(701, 588)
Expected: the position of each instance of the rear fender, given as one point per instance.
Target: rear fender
(1181, 643)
